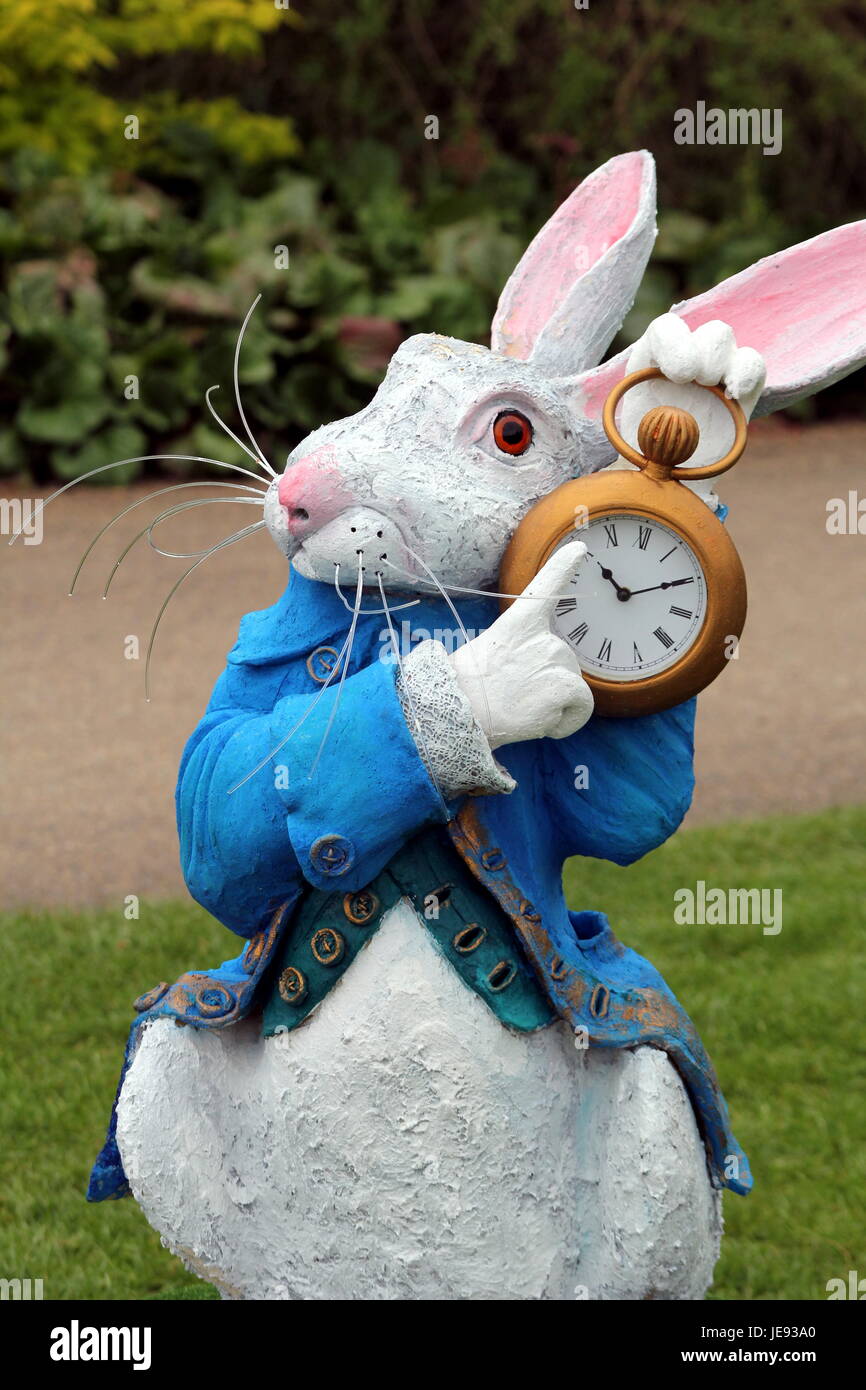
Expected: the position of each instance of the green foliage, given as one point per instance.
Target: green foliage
(124, 306)
(55, 60)
(780, 1016)
(261, 126)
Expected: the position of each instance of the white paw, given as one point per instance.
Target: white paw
(521, 678)
(707, 355)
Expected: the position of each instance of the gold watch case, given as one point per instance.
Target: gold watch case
(654, 493)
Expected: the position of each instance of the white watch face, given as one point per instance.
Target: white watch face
(640, 598)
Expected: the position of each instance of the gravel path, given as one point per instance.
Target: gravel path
(89, 768)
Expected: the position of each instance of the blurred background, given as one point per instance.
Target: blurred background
(305, 126)
(125, 260)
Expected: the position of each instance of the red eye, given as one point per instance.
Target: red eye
(512, 432)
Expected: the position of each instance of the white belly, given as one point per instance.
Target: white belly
(403, 1144)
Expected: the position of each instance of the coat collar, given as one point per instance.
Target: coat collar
(309, 614)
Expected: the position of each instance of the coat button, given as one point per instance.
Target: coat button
(327, 945)
(214, 1000)
(292, 985)
(332, 854)
(493, 860)
(361, 907)
(322, 663)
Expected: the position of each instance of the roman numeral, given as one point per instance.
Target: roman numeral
(637, 656)
(566, 605)
(579, 633)
(604, 650)
(667, 553)
(643, 535)
(663, 637)
(681, 612)
(610, 532)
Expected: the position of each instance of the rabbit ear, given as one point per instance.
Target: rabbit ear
(804, 310)
(577, 279)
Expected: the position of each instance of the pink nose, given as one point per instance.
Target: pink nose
(313, 492)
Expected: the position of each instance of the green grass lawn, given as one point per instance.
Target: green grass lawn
(782, 1017)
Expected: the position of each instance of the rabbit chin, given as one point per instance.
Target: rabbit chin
(358, 536)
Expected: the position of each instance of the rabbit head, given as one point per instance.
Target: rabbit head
(420, 470)
(460, 441)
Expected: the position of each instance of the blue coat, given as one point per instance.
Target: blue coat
(332, 811)
(246, 852)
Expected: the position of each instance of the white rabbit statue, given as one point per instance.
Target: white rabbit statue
(379, 1098)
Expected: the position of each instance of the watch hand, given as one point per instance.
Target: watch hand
(622, 593)
(668, 584)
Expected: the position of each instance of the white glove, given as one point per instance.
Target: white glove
(708, 355)
(520, 678)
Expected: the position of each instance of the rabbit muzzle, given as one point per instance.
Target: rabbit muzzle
(313, 491)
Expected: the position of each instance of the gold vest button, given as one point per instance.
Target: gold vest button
(327, 946)
(292, 985)
(360, 907)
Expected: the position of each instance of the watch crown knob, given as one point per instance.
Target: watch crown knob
(668, 436)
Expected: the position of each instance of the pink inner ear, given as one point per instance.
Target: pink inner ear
(596, 215)
(804, 310)
(595, 386)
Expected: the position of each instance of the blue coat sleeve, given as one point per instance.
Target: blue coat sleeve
(620, 787)
(235, 855)
(355, 787)
(329, 808)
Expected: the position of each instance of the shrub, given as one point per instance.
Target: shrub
(128, 264)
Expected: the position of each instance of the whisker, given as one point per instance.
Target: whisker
(347, 604)
(221, 545)
(170, 511)
(223, 426)
(140, 458)
(480, 593)
(120, 559)
(459, 621)
(184, 507)
(349, 640)
(250, 436)
(175, 487)
(415, 717)
(294, 729)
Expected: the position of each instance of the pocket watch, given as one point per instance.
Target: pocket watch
(660, 601)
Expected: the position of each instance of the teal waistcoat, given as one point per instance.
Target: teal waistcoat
(464, 923)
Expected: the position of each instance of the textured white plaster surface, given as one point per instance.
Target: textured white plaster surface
(402, 1144)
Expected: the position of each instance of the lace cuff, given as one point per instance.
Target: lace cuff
(452, 744)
